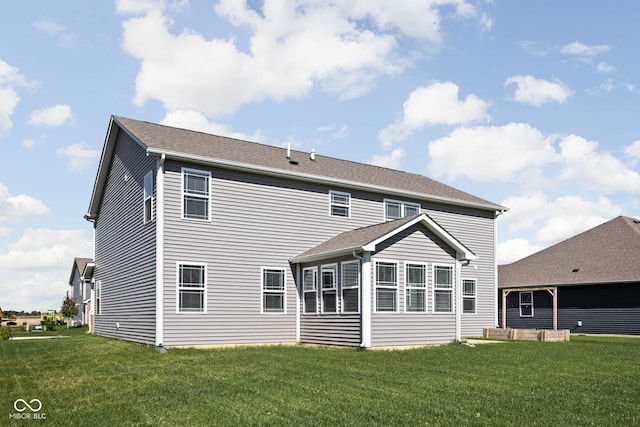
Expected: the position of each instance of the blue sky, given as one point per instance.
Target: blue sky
(532, 105)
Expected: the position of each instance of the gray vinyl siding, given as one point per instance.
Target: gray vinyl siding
(475, 229)
(125, 248)
(256, 222)
(77, 293)
(414, 245)
(330, 328)
(262, 221)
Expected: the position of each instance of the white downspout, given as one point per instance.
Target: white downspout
(458, 306)
(160, 251)
(299, 285)
(365, 301)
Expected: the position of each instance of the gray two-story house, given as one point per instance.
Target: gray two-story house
(207, 240)
(79, 281)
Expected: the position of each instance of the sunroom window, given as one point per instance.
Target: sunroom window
(386, 286)
(416, 287)
(443, 289)
(310, 287)
(329, 289)
(350, 287)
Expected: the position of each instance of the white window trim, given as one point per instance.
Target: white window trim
(376, 287)
(147, 197)
(403, 206)
(314, 271)
(452, 289)
(520, 303)
(178, 288)
(334, 268)
(331, 204)
(407, 287)
(284, 291)
(474, 296)
(343, 287)
(182, 193)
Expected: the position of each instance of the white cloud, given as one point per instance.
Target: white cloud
(10, 79)
(515, 249)
(34, 269)
(603, 67)
(79, 156)
(600, 170)
(334, 131)
(197, 121)
(19, 207)
(537, 91)
(558, 219)
(633, 150)
(435, 104)
(65, 38)
(52, 116)
(494, 153)
(580, 49)
(340, 47)
(391, 160)
(28, 143)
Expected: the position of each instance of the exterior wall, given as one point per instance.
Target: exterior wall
(414, 245)
(77, 293)
(125, 249)
(602, 309)
(261, 221)
(330, 328)
(474, 229)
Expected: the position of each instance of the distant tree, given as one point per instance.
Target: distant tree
(69, 308)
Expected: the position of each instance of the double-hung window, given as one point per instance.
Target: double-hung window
(340, 204)
(98, 293)
(148, 197)
(442, 289)
(469, 296)
(416, 287)
(329, 288)
(191, 288)
(310, 288)
(350, 286)
(386, 286)
(196, 198)
(394, 209)
(526, 304)
(273, 290)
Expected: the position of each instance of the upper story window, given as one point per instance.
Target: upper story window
(340, 204)
(196, 197)
(395, 209)
(148, 197)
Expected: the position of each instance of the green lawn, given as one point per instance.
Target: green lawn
(91, 381)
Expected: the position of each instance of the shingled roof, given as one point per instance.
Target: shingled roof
(366, 238)
(182, 144)
(607, 253)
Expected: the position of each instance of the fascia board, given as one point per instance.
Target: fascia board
(462, 252)
(264, 170)
(324, 255)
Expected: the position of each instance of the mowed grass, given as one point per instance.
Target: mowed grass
(94, 381)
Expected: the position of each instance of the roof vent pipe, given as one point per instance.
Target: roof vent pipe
(288, 150)
(312, 156)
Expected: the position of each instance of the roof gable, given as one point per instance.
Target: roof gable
(607, 253)
(367, 238)
(198, 147)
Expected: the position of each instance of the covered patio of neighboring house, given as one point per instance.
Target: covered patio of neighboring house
(589, 283)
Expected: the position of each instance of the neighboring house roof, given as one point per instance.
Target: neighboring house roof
(79, 264)
(366, 239)
(198, 147)
(607, 253)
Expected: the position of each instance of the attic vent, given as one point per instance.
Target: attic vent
(575, 270)
(637, 221)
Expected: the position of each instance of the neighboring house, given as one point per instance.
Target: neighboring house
(80, 282)
(207, 240)
(593, 277)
